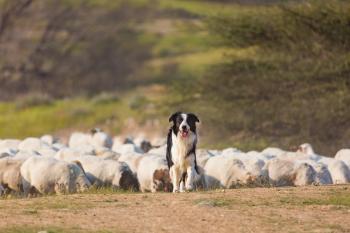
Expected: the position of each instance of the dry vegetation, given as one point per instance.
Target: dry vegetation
(302, 209)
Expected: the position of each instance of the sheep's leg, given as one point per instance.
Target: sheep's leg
(153, 189)
(175, 176)
(26, 187)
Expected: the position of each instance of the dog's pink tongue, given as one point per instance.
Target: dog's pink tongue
(184, 134)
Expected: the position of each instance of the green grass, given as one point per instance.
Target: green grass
(334, 199)
(41, 119)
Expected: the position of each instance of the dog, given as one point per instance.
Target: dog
(181, 150)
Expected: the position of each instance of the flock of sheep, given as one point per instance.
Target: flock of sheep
(44, 165)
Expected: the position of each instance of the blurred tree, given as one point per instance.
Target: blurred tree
(64, 48)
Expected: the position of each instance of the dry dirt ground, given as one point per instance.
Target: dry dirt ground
(292, 209)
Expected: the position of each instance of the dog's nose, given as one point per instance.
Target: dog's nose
(184, 127)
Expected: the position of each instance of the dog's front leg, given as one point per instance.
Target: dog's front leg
(190, 178)
(175, 176)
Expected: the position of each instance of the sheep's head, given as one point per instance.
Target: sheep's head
(304, 175)
(306, 148)
(81, 181)
(95, 130)
(161, 180)
(128, 181)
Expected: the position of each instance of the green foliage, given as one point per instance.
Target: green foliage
(289, 86)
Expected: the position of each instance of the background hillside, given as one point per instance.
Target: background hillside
(258, 73)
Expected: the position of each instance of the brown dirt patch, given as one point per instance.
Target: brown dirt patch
(301, 209)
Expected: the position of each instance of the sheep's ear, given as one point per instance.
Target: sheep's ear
(173, 116)
(76, 162)
(194, 117)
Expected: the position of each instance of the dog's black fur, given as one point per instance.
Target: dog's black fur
(176, 118)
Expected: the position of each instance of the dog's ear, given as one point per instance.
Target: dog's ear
(173, 116)
(194, 117)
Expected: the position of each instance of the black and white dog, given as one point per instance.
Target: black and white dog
(181, 150)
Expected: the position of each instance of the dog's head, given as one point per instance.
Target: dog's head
(183, 123)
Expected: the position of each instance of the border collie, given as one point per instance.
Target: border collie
(181, 150)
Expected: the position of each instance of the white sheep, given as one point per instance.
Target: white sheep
(33, 144)
(203, 156)
(78, 139)
(49, 139)
(6, 152)
(23, 155)
(153, 174)
(143, 144)
(58, 146)
(100, 139)
(117, 141)
(225, 172)
(158, 141)
(127, 149)
(258, 171)
(48, 175)
(103, 172)
(10, 176)
(343, 155)
(307, 150)
(132, 160)
(340, 173)
(254, 164)
(161, 151)
(68, 154)
(323, 176)
(47, 152)
(10, 143)
(106, 153)
(287, 172)
(305, 174)
(272, 152)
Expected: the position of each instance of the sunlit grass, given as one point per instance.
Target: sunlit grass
(43, 119)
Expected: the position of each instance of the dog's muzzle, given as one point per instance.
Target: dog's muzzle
(184, 133)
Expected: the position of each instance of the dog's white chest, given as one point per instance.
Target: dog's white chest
(180, 150)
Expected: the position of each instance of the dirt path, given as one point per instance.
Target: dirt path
(302, 209)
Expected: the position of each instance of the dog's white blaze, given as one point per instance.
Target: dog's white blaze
(184, 121)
